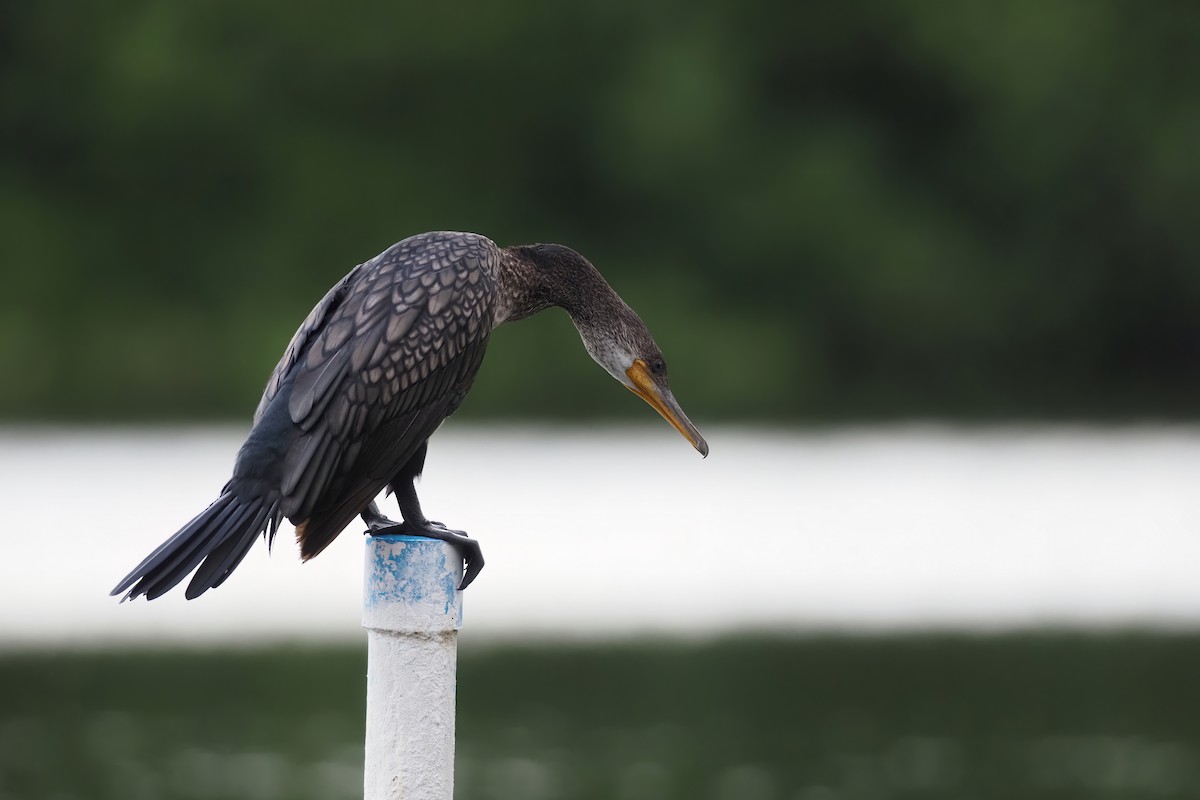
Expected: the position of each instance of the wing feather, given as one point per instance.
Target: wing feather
(315, 320)
(313, 387)
(378, 372)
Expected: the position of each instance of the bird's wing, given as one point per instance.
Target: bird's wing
(312, 324)
(390, 360)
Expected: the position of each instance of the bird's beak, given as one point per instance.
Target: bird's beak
(662, 401)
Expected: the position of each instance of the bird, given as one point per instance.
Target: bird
(374, 369)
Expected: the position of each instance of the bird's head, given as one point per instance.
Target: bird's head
(613, 333)
(627, 351)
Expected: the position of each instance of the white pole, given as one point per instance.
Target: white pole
(412, 611)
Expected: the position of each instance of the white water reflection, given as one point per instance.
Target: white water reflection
(619, 531)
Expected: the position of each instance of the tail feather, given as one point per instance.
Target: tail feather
(224, 558)
(220, 536)
(193, 551)
(214, 544)
(167, 554)
(189, 548)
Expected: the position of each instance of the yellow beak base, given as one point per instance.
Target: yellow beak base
(662, 401)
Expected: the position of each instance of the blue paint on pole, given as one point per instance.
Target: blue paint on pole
(413, 577)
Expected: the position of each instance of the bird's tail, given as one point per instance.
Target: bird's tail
(220, 536)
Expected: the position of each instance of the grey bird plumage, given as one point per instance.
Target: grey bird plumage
(378, 364)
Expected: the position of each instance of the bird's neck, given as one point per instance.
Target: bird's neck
(529, 282)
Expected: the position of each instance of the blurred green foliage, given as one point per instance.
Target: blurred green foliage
(824, 211)
(1061, 717)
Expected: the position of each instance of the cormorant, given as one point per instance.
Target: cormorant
(374, 369)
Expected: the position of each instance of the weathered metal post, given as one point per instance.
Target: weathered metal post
(412, 611)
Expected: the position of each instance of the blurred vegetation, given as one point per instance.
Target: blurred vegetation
(824, 211)
(1067, 717)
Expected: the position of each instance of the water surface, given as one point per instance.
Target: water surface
(607, 532)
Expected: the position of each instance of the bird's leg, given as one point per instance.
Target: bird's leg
(415, 523)
(375, 519)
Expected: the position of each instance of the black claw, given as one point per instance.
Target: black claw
(472, 558)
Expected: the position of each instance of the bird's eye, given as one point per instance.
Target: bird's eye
(658, 366)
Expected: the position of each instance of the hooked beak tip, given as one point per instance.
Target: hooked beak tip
(665, 404)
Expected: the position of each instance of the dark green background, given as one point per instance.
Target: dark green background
(824, 210)
(1062, 717)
